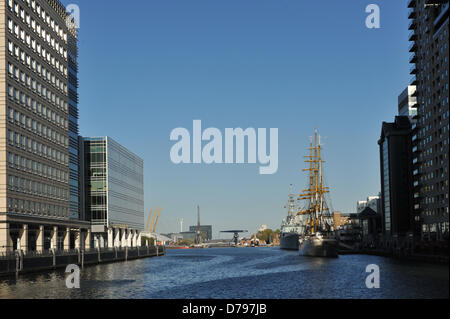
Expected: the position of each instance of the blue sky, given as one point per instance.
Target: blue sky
(147, 67)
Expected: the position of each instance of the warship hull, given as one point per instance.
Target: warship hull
(289, 241)
(319, 247)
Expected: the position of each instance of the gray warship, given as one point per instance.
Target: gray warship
(292, 226)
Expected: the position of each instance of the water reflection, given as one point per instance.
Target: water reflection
(238, 273)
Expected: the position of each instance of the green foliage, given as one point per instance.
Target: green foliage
(265, 235)
(186, 242)
(146, 241)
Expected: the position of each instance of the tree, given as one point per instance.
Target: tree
(265, 235)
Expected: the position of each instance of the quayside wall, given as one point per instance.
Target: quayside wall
(18, 262)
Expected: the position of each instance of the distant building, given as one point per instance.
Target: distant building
(113, 192)
(339, 220)
(395, 168)
(372, 201)
(175, 237)
(407, 103)
(350, 233)
(188, 234)
(205, 229)
(370, 226)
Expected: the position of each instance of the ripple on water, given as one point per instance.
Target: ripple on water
(253, 273)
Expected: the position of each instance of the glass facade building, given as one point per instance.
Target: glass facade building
(74, 165)
(114, 185)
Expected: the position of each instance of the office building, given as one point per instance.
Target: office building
(113, 192)
(430, 60)
(39, 185)
(206, 230)
(395, 168)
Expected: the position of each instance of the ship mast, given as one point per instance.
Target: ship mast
(291, 203)
(314, 194)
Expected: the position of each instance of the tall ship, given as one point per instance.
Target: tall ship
(319, 239)
(292, 226)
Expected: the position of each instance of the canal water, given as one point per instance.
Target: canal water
(248, 273)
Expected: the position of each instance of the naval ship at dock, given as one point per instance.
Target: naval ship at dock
(292, 226)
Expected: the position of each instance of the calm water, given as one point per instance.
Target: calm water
(239, 273)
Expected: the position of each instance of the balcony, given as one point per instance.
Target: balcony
(435, 2)
(442, 14)
(413, 70)
(411, 14)
(413, 47)
(412, 25)
(417, 200)
(413, 58)
(412, 36)
(413, 80)
(411, 3)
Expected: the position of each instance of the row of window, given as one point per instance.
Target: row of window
(42, 150)
(442, 228)
(36, 208)
(32, 64)
(46, 18)
(26, 186)
(29, 40)
(33, 167)
(17, 118)
(46, 75)
(37, 108)
(22, 56)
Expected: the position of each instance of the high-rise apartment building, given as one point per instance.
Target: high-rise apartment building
(39, 168)
(430, 53)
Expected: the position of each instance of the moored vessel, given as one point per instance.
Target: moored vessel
(291, 227)
(319, 239)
